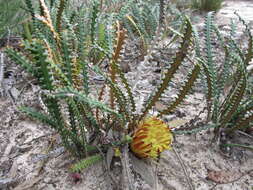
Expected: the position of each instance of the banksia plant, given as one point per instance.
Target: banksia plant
(229, 100)
(56, 60)
(12, 17)
(151, 137)
(58, 56)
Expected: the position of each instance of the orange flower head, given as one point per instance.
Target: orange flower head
(151, 138)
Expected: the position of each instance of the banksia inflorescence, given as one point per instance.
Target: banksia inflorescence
(151, 137)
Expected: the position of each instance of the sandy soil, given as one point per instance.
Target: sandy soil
(32, 158)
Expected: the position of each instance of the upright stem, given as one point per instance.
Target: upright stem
(161, 16)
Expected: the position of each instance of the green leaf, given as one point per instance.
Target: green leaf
(87, 162)
(180, 55)
(70, 92)
(184, 90)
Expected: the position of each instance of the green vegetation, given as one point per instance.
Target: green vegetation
(11, 17)
(207, 5)
(64, 47)
(229, 87)
(61, 52)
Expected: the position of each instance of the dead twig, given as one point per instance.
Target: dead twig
(43, 162)
(184, 169)
(245, 134)
(1, 71)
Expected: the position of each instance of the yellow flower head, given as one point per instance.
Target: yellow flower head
(151, 138)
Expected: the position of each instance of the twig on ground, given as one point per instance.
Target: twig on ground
(1, 71)
(245, 134)
(39, 137)
(184, 169)
(43, 162)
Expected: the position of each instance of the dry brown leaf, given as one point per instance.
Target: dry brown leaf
(109, 156)
(127, 176)
(176, 123)
(223, 176)
(160, 106)
(145, 170)
(28, 184)
(13, 171)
